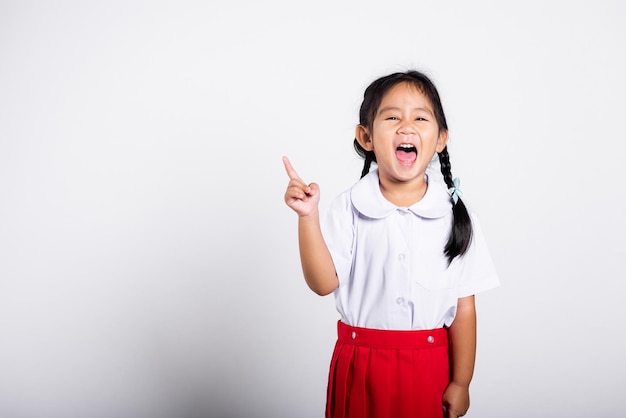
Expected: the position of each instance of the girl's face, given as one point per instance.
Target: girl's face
(404, 136)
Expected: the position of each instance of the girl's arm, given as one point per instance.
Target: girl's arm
(317, 264)
(462, 336)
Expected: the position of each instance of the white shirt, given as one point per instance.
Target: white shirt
(392, 271)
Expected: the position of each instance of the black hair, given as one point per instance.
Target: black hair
(461, 230)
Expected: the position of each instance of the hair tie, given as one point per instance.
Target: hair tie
(454, 191)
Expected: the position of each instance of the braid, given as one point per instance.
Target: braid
(366, 166)
(461, 232)
(368, 156)
(446, 167)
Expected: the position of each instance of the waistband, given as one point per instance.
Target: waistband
(380, 338)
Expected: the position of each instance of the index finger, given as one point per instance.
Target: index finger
(290, 171)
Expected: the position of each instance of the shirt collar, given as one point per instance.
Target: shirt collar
(369, 200)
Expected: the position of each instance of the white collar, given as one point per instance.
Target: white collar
(369, 200)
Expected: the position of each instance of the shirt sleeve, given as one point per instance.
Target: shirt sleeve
(478, 271)
(338, 231)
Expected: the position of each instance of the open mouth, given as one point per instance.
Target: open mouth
(406, 153)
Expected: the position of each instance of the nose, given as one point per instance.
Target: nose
(406, 128)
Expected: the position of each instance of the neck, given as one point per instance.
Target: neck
(403, 194)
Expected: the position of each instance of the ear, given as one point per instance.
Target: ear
(442, 140)
(363, 137)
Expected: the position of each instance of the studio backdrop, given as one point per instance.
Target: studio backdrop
(149, 266)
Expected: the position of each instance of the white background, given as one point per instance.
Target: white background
(148, 264)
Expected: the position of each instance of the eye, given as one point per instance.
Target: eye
(421, 119)
(392, 118)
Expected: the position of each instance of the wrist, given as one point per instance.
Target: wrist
(463, 384)
(309, 217)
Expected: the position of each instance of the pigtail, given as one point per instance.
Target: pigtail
(366, 166)
(368, 157)
(461, 231)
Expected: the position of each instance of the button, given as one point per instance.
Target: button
(430, 339)
(353, 335)
(400, 301)
(401, 257)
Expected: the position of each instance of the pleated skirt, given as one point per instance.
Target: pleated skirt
(387, 374)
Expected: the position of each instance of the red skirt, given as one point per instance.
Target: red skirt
(387, 374)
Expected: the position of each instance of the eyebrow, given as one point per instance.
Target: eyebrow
(394, 108)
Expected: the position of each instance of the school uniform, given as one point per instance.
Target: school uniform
(396, 297)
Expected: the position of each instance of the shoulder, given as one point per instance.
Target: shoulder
(361, 191)
(342, 202)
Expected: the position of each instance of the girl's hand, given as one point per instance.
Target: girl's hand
(301, 197)
(455, 400)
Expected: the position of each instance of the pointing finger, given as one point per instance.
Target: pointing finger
(290, 171)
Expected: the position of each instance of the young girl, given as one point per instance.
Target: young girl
(404, 259)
